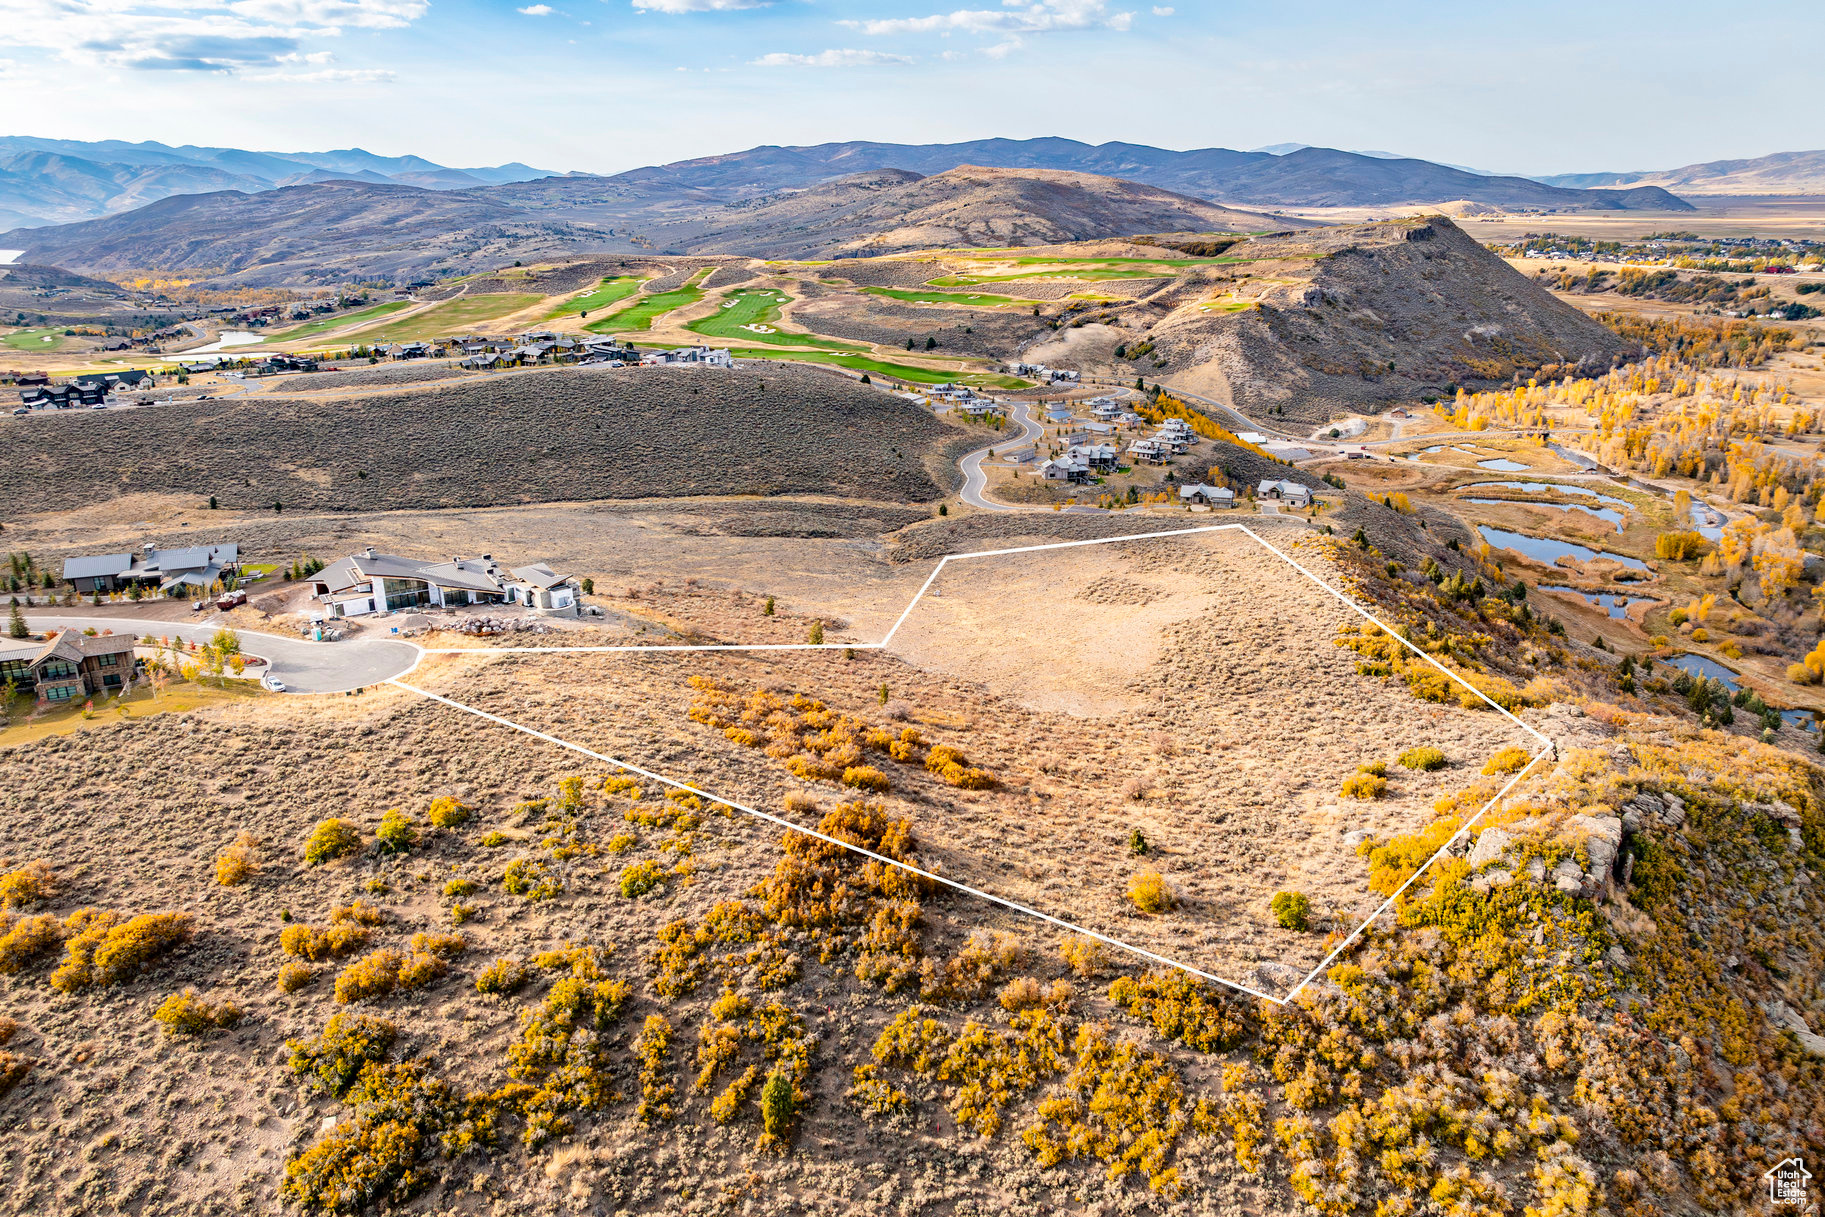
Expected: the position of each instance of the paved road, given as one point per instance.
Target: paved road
(305, 667)
(975, 480)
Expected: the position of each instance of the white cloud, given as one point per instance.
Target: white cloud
(335, 14)
(1016, 18)
(1163, 10)
(698, 6)
(252, 38)
(537, 10)
(845, 58)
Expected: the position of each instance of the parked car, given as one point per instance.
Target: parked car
(100, 405)
(273, 683)
(22, 410)
(196, 606)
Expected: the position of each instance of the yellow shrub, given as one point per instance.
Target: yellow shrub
(1151, 893)
(185, 1013)
(650, 1049)
(501, 977)
(331, 839)
(641, 878)
(1083, 955)
(942, 755)
(336, 1057)
(103, 950)
(446, 812)
(239, 862)
(1424, 758)
(313, 945)
(1364, 786)
(25, 939)
(1508, 760)
(294, 976)
(387, 970)
(865, 777)
(28, 885)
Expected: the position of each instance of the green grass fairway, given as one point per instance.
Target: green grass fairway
(35, 340)
(759, 307)
(1087, 274)
(456, 316)
(322, 325)
(899, 371)
(963, 298)
(609, 291)
(641, 313)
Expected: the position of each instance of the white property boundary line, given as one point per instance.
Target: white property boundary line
(1547, 746)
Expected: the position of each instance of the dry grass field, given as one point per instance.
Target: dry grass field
(537, 437)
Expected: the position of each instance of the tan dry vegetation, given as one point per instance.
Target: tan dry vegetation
(1259, 718)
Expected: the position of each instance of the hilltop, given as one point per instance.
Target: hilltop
(1779, 173)
(894, 210)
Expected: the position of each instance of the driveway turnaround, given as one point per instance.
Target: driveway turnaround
(303, 666)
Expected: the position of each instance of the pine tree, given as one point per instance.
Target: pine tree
(15, 624)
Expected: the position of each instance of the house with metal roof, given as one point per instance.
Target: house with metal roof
(197, 566)
(371, 582)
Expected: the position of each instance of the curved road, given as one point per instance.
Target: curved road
(974, 480)
(304, 666)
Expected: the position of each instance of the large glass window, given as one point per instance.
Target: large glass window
(61, 693)
(57, 669)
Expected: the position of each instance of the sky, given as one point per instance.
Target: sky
(1551, 86)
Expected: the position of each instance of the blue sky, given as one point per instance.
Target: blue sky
(605, 85)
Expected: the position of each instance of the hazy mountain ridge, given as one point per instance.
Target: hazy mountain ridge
(57, 181)
(1305, 177)
(1779, 173)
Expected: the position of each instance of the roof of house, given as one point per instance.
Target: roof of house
(1209, 492)
(539, 574)
(92, 565)
(193, 557)
(74, 646)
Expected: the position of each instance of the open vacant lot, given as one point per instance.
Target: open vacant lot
(527, 438)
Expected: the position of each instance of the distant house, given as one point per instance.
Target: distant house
(1105, 410)
(1069, 468)
(689, 355)
(1207, 496)
(70, 666)
(1059, 413)
(370, 582)
(194, 566)
(486, 362)
(1291, 493)
(1150, 450)
(409, 350)
(1096, 456)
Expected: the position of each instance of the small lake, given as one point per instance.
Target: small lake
(1617, 606)
(1576, 458)
(1602, 513)
(1502, 464)
(1549, 550)
(1701, 513)
(1704, 665)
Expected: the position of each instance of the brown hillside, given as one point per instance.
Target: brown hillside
(1348, 318)
(893, 210)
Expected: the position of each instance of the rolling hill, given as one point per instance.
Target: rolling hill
(1780, 173)
(1305, 177)
(893, 210)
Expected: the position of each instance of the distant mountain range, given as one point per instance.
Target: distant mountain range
(60, 181)
(1781, 173)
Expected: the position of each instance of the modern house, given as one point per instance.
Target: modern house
(194, 566)
(1207, 496)
(1290, 493)
(1069, 468)
(370, 582)
(689, 355)
(1096, 456)
(70, 666)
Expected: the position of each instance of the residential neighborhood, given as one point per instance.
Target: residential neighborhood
(168, 570)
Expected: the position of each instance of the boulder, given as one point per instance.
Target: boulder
(1602, 841)
(1490, 845)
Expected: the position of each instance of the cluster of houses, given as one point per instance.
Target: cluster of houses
(1172, 439)
(1045, 375)
(270, 365)
(194, 566)
(962, 399)
(368, 582)
(36, 392)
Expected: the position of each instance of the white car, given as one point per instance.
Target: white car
(274, 683)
